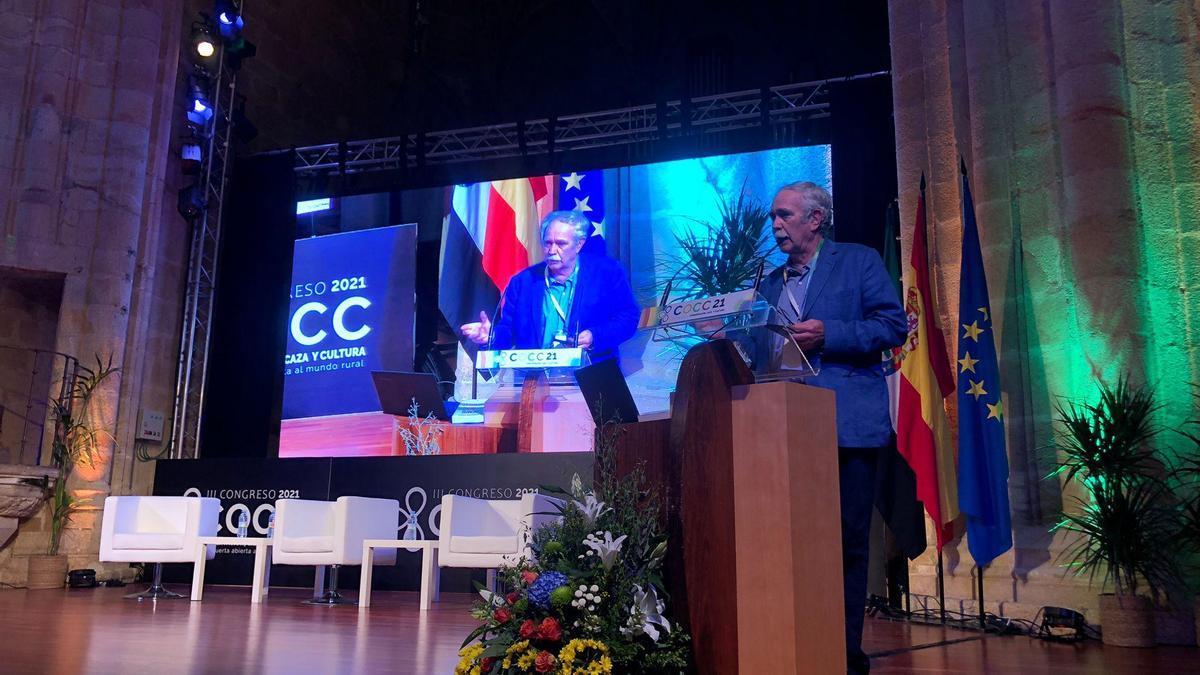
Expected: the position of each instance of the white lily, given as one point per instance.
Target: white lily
(591, 508)
(576, 486)
(493, 599)
(606, 549)
(645, 614)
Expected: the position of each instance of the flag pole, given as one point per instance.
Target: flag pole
(979, 581)
(941, 586)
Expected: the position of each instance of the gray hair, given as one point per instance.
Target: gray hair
(815, 197)
(575, 219)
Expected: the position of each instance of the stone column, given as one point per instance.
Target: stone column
(1078, 124)
(87, 103)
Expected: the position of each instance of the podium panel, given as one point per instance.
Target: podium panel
(749, 475)
(787, 524)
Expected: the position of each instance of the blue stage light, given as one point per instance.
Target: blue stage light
(229, 19)
(199, 110)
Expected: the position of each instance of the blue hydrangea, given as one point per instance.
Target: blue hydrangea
(539, 591)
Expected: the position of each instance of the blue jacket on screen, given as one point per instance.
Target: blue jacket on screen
(603, 303)
(850, 292)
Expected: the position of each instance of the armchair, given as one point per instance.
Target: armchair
(157, 530)
(331, 534)
(488, 533)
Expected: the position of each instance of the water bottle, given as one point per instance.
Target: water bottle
(243, 524)
(271, 526)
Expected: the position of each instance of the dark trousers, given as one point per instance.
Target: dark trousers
(856, 471)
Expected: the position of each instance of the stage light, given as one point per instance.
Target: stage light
(191, 202)
(191, 157)
(237, 49)
(229, 19)
(199, 110)
(202, 41)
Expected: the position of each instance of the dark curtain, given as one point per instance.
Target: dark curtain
(864, 158)
(243, 395)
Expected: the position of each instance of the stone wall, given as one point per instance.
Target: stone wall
(87, 95)
(1078, 125)
(29, 302)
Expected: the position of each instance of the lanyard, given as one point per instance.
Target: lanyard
(553, 301)
(804, 272)
(791, 298)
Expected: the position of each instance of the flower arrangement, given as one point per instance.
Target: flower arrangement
(590, 600)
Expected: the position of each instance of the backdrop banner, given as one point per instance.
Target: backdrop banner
(417, 482)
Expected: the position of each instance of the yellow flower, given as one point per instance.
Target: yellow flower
(520, 650)
(468, 665)
(595, 663)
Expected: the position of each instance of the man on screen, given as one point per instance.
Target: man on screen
(568, 300)
(841, 308)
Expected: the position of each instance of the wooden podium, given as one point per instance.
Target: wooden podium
(750, 478)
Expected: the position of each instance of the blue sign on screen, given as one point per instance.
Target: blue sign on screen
(352, 311)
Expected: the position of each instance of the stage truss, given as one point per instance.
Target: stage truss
(192, 369)
(722, 113)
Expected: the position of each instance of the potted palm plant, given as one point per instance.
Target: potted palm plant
(1187, 482)
(75, 442)
(1121, 511)
(727, 255)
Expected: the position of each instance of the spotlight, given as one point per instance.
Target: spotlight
(1064, 625)
(191, 202)
(191, 155)
(199, 110)
(202, 41)
(243, 129)
(237, 49)
(229, 19)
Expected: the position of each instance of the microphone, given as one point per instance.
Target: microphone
(495, 320)
(667, 294)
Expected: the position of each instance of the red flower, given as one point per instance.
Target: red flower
(513, 597)
(529, 577)
(550, 630)
(545, 662)
(485, 665)
(528, 629)
(501, 615)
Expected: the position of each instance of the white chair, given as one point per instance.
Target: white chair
(488, 533)
(331, 534)
(157, 530)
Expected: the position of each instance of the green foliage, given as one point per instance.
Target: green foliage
(623, 521)
(1125, 519)
(727, 256)
(75, 442)
(1186, 481)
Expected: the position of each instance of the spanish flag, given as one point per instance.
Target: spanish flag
(490, 232)
(922, 429)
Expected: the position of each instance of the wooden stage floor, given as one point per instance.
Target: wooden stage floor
(98, 631)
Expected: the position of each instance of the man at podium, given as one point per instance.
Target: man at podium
(567, 300)
(842, 310)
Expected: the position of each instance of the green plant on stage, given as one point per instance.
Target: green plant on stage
(1123, 515)
(75, 442)
(725, 257)
(1186, 479)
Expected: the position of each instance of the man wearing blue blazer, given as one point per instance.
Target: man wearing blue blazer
(567, 300)
(841, 309)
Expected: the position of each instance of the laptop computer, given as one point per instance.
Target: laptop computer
(606, 392)
(397, 391)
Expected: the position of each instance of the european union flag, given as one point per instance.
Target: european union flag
(584, 192)
(982, 458)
